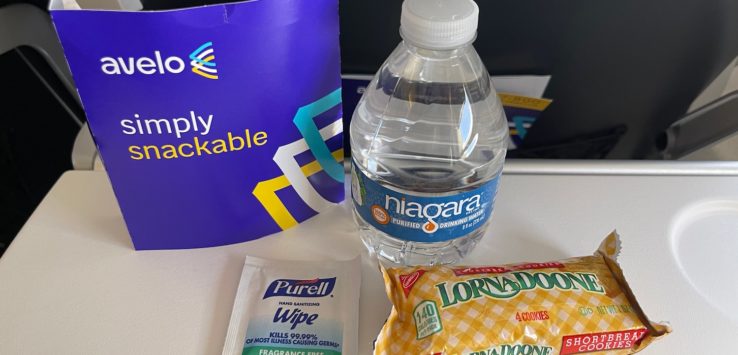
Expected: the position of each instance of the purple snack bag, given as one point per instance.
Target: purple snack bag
(217, 124)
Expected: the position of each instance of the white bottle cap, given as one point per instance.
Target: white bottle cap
(439, 24)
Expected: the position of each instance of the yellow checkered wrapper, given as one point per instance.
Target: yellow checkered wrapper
(572, 306)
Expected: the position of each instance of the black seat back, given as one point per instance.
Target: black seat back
(622, 71)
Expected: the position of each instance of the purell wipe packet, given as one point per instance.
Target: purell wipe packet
(295, 307)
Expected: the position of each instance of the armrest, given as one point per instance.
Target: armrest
(698, 129)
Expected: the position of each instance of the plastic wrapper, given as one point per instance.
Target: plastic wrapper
(572, 306)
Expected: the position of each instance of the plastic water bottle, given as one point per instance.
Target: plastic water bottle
(428, 141)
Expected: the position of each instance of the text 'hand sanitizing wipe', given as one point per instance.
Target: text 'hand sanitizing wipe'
(295, 307)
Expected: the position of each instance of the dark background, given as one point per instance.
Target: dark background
(622, 70)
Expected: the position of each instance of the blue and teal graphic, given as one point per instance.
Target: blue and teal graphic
(296, 176)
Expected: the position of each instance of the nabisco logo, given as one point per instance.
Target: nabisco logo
(201, 61)
(409, 280)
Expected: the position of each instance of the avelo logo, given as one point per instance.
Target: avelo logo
(202, 61)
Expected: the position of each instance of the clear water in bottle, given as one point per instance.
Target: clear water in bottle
(428, 141)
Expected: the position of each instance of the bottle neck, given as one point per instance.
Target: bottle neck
(436, 53)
